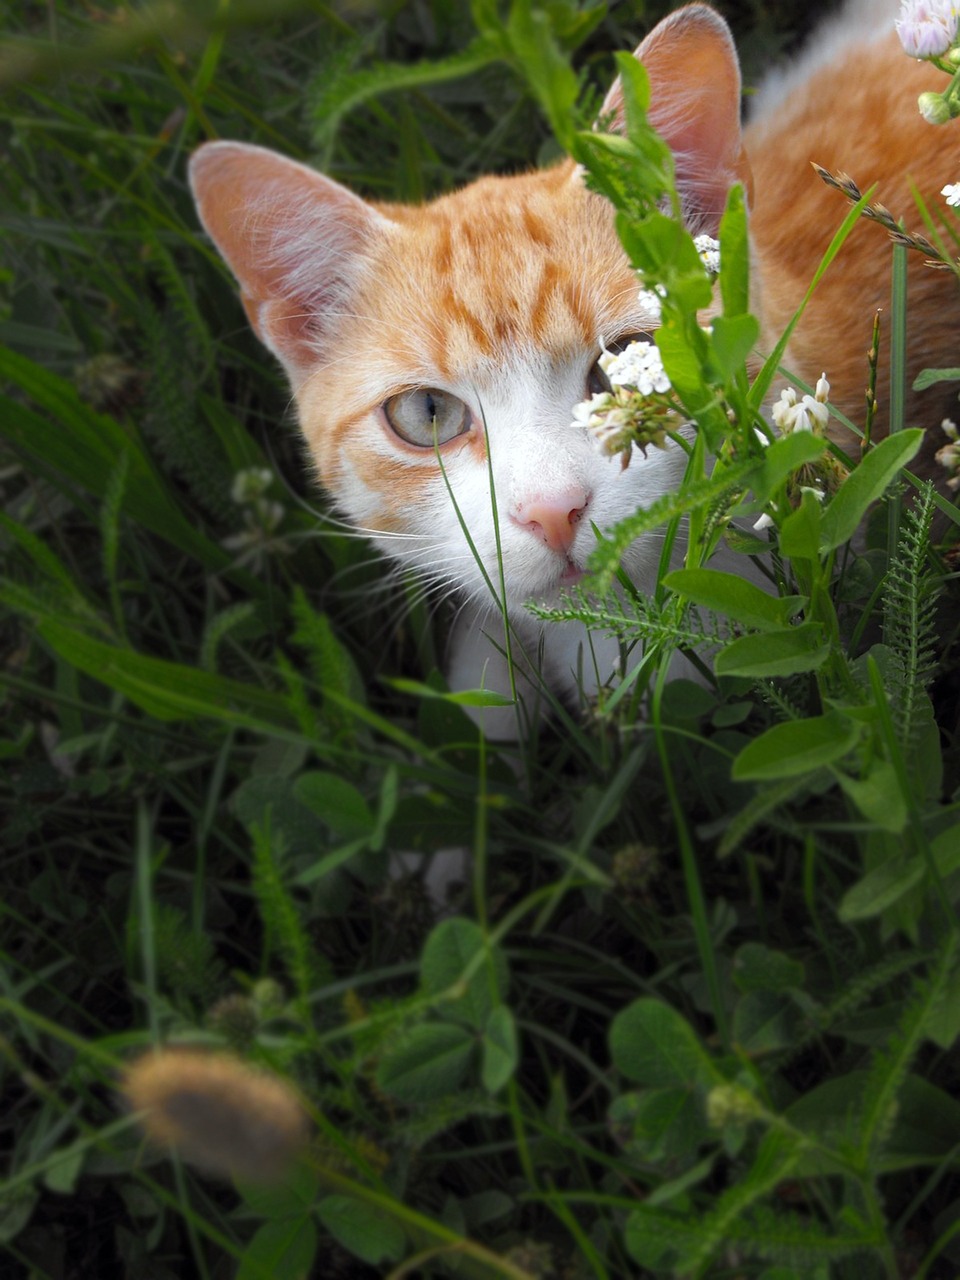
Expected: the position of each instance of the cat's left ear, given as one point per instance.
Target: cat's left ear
(695, 106)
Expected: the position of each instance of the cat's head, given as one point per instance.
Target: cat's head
(475, 320)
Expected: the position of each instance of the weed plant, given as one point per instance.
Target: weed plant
(696, 1014)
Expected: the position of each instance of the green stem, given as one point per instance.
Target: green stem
(691, 872)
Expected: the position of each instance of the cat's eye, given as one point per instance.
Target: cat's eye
(427, 416)
(597, 380)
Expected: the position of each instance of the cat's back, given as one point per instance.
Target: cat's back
(849, 103)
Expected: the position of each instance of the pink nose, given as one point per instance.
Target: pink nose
(554, 519)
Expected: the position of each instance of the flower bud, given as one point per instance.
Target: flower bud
(933, 107)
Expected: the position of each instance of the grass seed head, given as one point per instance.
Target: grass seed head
(221, 1114)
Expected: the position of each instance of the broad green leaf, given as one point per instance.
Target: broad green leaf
(759, 968)
(292, 1197)
(734, 255)
(731, 341)
(929, 377)
(781, 458)
(363, 1230)
(64, 1167)
(654, 1045)
(281, 1249)
(878, 795)
(864, 485)
(735, 597)
(657, 1124)
(800, 532)
(429, 1063)
(15, 1212)
(465, 698)
(774, 653)
(881, 888)
(764, 1021)
(798, 747)
(500, 1051)
(926, 1128)
(885, 884)
(453, 948)
(336, 802)
(943, 1025)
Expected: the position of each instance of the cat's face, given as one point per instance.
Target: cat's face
(484, 314)
(436, 352)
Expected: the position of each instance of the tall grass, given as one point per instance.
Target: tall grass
(695, 1013)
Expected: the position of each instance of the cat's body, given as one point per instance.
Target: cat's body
(849, 103)
(486, 310)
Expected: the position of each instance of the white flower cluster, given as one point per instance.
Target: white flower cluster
(638, 366)
(636, 410)
(951, 193)
(261, 517)
(810, 413)
(927, 28)
(652, 300)
(709, 251)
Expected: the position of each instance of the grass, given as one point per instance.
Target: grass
(696, 1015)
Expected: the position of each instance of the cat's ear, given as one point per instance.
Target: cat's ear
(297, 242)
(695, 106)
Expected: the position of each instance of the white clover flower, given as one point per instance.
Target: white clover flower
(709, 251)
(638, 366)
(951, 193)
(818, 492)
(808, 414)
(927, 28)
(949, 456)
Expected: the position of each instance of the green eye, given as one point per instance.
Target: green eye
(426, 416)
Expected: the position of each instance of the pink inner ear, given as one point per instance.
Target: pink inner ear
(695, 106)
(296, 241)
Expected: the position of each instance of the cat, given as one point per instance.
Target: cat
(484, 312)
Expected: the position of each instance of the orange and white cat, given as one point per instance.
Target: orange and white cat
(481, 315)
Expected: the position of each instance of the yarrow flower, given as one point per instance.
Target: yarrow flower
(638, 408)
(709, 251)
(951, 193)
(638, 365)
(927, 28)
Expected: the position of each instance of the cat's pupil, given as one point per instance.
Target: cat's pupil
(597, 381)
(426, 416)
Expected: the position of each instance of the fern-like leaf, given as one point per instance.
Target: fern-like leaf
(281, 918)
(908, 622)
(890, 1066)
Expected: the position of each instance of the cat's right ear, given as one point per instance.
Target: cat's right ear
(694, 75)
(297, 242)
